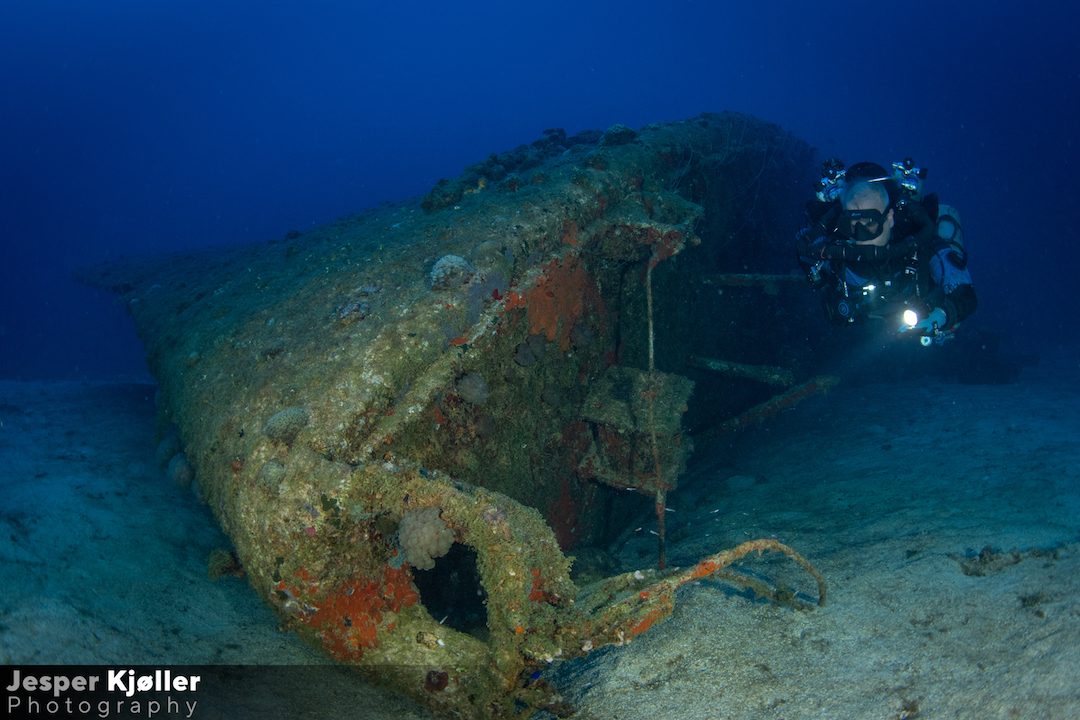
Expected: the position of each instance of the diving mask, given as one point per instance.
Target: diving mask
(862, 225)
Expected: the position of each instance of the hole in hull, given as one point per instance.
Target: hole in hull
(452, 590)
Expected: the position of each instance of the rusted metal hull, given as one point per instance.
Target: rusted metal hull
(451, 352)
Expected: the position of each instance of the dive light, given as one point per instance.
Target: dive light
(911, 319)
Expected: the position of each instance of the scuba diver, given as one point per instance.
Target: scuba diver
(877, 248)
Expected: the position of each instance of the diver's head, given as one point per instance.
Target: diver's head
(868, 213)
(949, 226)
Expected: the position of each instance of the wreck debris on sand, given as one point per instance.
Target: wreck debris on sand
(474, 360)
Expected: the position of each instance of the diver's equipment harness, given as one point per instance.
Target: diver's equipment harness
(848, 302)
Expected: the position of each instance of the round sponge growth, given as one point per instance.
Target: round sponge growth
(180, 471)
(450, 272)
(286, 424)
(424, 536)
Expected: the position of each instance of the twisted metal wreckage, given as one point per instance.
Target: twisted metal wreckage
(488, 350)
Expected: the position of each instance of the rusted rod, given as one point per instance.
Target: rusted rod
(661, 499)
(752, 280)
(817, 386)
(764, 373)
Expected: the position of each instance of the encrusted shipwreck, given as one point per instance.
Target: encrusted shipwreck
(476, 370)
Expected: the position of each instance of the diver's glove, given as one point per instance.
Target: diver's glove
(932, 323)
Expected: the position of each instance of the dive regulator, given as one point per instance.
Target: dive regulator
(832, 174)
(910, 179)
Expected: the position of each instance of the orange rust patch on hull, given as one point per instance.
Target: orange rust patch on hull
(560, 298)
(352, 615)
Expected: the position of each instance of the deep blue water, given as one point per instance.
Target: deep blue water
(134, 127)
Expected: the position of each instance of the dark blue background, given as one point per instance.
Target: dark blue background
(144, 127)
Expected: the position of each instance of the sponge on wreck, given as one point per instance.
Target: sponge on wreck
(285, 425)
(424, 536)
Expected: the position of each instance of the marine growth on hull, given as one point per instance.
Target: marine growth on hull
(410, 420)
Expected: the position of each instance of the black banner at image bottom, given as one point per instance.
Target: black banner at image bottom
(202, 692)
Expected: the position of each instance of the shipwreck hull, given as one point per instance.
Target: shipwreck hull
(484, 350)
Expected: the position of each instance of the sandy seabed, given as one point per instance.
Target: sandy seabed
(945, 517)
